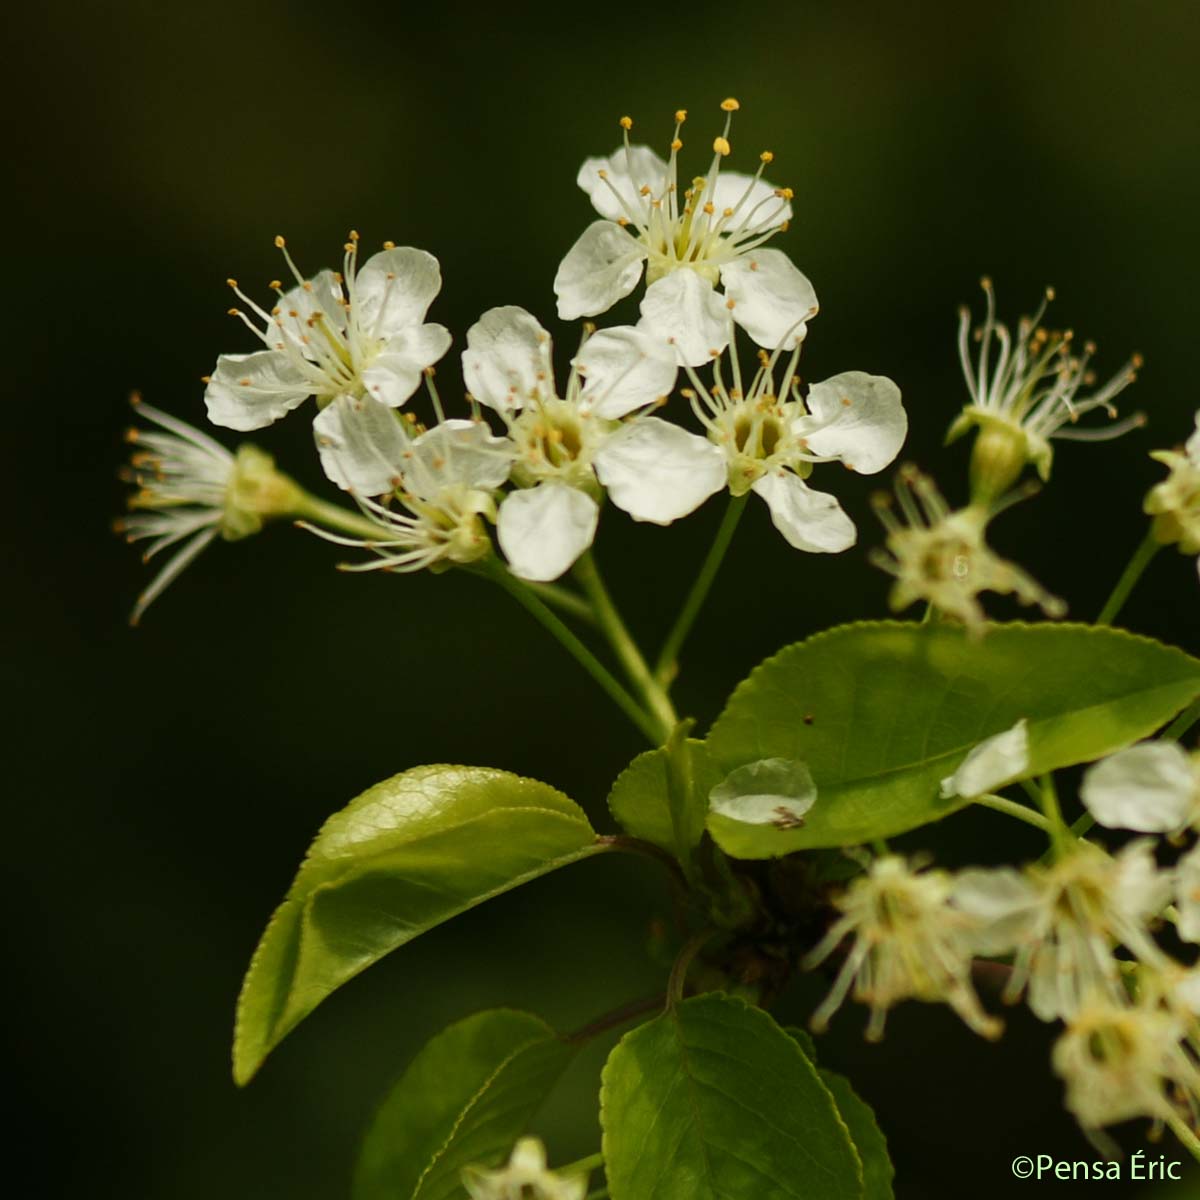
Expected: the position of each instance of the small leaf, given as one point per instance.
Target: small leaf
(465, 1099)
(404, 856)
(641, 798)
(713, 1101)
(881, 713)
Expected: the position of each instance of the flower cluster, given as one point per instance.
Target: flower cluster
(533, 457)
(1077, 932)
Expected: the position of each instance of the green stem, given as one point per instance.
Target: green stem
(583, 1166)
(493, 569)
(1146, 550)
(667, 665)
(334, 516)
(564, 600)
(655, 699)
(693, 946)
(1060, 834)
(1013, 809)
(1183, 722)
(1184, 1132)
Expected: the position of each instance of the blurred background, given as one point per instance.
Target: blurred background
(165, 782)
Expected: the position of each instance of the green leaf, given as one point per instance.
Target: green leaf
(869, 1141)
(464, 1099)
(882, 712)
(713, 1101)
(404, 856)
(641, 798)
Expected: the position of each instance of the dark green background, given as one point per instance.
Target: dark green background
(167, 781)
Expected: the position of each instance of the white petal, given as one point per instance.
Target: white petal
(395, 374)
(457, 452)
(393, 290)
(361, 444)
(249, 391)
(1002, 901)
(507, 360)
(754, 201)
(604, 265)
(869, 424)
(624, 369)
(1141, 890)
(994, 763)
(1187, 895)
(772, 791)
(809, 520)
(628, 172)
(1192, 446)
(683, 309)
(319, 296)
(1151, 788)
(658, 472)
(543, 530)
(772, 299)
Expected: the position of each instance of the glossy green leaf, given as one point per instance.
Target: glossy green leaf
(869, 1141)
(464, 1099)
(882, 712)
(404, 856)
(641, 798)
(713, 1101)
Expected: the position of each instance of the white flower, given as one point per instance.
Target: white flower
(1152, 788)
(1175, 503)
(1063, 921)
(359, 335)
(1119, 1060)
(1027, 385)
(713, 233)
(993, 764)
(1187, 895)
(770, 439)
(909, 942)
(568, 446)
(940, 556)
(445, 481)
(192, 490)
(525, 1177)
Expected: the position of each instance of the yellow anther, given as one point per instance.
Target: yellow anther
(784, 193)
(986, 283)
(231, 282)
(708, 208)
(730, 105)
(602, 173)
(680, 115)
(644, 190)
(728, 212)
(1049, 293)
(626, 122)
(677, 145)
(766, 156)
(354, 235)
(721, 145)
(622, 221)
(729, 304)
(280, 242)
(231, 312)
(275, 284)
(1136, 361)
(389, 245)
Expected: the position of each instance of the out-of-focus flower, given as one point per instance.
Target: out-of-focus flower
(524, 1177)
(1175, 503)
